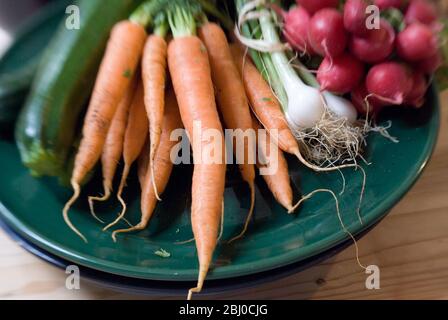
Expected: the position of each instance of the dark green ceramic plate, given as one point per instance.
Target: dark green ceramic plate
(32, 207)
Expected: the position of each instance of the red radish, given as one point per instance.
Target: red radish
(421, 11)
(431, 64)
(416, 42)
(360, 98)
(312, 6)
(376, 46)
(296, 28)
(355, 17)
(390, 82)
(416, 97)
(385, 4)
(326, 33)
(340, 74)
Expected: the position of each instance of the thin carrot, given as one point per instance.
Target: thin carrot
(232, 102)
(154, 77)
(263, 102)
(162, 162)
(191, 76)
(123, 52)
(134, 141)
(278, 183)
(143, 163)
(113, 147)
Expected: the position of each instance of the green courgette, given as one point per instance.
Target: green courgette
(47, 126)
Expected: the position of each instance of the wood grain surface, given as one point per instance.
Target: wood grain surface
(410, 247)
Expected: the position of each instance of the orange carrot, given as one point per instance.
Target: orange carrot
(134, 140)
(113, 147)
(143, 163)
(278, 183)
(154, 77)
(232, 101)
(122, 55)
(191, 75)
(162, 163)
(263, 102)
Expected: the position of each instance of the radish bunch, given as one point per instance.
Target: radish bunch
(363, 55)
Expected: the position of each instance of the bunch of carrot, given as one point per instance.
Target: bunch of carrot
(134, 109)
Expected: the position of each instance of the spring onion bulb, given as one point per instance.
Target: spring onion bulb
(305, 105)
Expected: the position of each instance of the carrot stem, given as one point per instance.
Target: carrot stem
(145, 14)
(161, 25)
(181, 22)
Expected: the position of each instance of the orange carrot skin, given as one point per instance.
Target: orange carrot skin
(137, 127)
(113, 148)
(190, 72)
(143, 162)
(154, 76)
(279, 183)
(162, 160)
(264, 103)
(230, 92)
(122, 54)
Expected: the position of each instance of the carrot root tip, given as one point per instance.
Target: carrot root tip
(221, 231)
(127, 222)
(184, 242)
(138, 227)
(313, 167)
(197, 289)
(156, 192)
(99, 199)
(201, 278)
(120, 216)
(249, 215)
(76, 193)
(120, 198)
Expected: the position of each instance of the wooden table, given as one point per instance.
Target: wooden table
(410, 247)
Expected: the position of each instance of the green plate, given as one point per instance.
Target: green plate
(32, 207)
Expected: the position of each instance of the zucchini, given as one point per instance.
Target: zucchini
(47, 126)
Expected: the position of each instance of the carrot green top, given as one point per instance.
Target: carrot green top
(183, 16)
(147, 13)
